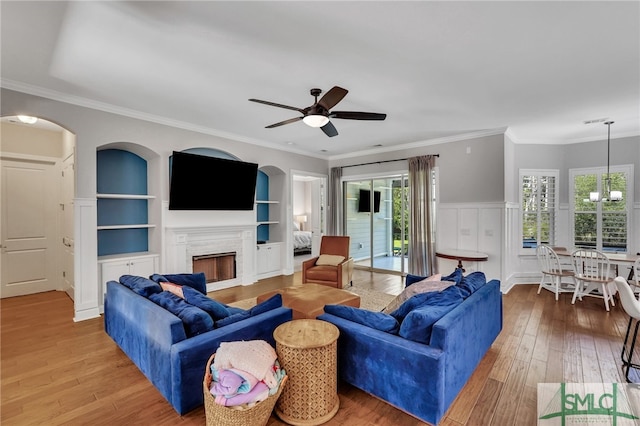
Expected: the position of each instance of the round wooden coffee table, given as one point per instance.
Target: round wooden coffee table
(308, 351)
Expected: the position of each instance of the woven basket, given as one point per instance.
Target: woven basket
(219, 415)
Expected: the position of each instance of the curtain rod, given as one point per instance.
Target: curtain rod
(380, 162)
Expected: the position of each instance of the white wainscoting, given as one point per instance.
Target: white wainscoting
(478, 227)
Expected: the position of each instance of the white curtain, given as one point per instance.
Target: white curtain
(333, 218)
(422, 254)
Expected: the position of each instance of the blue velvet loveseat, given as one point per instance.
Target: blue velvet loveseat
(420, 375)
(158, 342)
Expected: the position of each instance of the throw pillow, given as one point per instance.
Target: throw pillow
(377, 320)
(424, 286)
(412, 279)
(455, 276)
(195, 320)
(329, 260)
(197, 281)
(215, 309)
(173, 288)
(472, 282)
(140, 285)
(450, 295)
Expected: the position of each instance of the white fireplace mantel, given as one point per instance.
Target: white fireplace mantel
(182, 243)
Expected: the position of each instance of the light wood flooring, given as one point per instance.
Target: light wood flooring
(55, 371)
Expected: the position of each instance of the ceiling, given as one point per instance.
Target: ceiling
(439, 70)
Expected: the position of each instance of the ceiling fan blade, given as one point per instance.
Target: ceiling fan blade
(277, 105)
(282, 123)
(356, 115)
(329, 130)
(332, 97)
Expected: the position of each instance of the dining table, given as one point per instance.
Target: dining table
(619, 260)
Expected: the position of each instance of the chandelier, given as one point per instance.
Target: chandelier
(608, 195)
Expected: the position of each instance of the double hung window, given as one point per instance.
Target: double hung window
(601, 224)
(539, 207)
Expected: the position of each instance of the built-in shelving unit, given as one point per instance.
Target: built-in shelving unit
(123, 203)
(269, 222)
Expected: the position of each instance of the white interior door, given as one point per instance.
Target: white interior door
(317, 219)
(66, 225)
(28, 227)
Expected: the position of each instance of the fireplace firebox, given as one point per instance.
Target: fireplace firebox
(216, 267)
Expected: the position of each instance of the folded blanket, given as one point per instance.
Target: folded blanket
(256, 357)
(260, 392)
(225, 382)
(278, 373)
(231, 382)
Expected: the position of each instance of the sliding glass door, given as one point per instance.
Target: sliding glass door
(376, 219)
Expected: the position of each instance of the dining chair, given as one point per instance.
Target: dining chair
(631, 306)
(636, 273)
(553, 273)
(591, 269)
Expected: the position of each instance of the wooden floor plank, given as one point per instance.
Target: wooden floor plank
(55, 371)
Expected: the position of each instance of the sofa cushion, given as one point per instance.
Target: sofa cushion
(426, 285)
(472, 282)
(197, 281)
(322, 273)
(140, 285)
(329, 260)
(273, 302)
(450, 295)
(216, 310)
(195, 320)
(377, 320)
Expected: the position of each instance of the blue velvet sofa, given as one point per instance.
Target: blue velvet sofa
(156, 341)
(422, 379)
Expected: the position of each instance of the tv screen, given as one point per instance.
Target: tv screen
(199, 182)
(364, 202)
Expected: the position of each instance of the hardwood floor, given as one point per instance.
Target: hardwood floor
(55, 371)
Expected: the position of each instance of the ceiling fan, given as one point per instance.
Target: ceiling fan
(318, 114)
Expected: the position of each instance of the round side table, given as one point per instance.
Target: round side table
(308, 351)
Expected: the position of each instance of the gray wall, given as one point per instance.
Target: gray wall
(578, 155)
(477, 176)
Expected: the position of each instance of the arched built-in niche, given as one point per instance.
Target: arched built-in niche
(128, 212)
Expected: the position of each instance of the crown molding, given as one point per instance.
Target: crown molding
(130, 113)
(523, 141)
(423, 143)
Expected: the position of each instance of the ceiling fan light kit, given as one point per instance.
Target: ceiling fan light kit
(315, 120)
(318, 114)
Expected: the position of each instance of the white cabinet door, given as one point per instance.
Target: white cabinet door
(112, 268)
(112, 271)
(269, 259)
(143, 267)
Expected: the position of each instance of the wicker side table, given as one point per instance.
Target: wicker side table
(307, 350)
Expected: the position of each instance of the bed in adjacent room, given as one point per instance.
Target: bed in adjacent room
(301, 242)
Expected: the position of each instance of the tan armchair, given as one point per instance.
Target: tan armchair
(330, 272)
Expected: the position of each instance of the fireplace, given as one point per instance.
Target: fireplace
(216, 266)
(224, 253)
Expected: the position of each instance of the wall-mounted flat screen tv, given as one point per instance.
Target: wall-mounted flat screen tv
(364, 201)
(200, 182)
